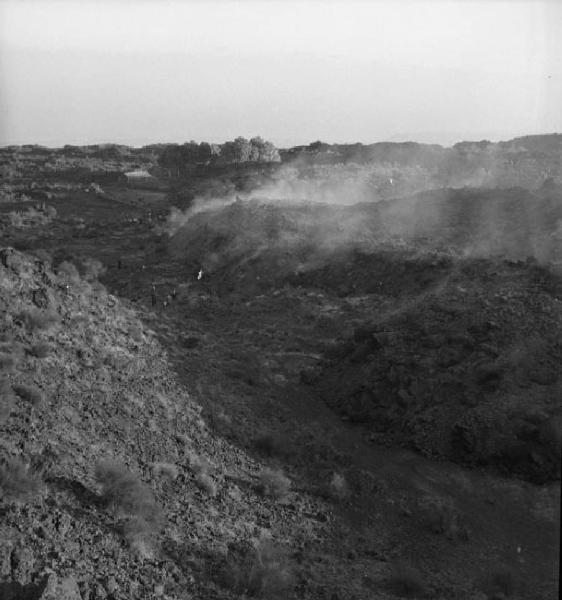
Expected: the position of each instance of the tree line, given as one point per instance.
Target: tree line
(240, 150)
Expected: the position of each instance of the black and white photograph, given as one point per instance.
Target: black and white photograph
(280, 299)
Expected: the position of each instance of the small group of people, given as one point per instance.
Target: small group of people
(169, 297)
(198, 275)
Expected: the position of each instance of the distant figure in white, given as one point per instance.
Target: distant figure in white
(200, 274)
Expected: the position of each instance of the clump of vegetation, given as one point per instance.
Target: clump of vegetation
(29, 393)
(139, 535)
(68, 273)
(116, 359)
(7, 361)
(167, 470)
(37, 319)
(17, 481)
(40, 350)
(262, 571)
(92, 269)
(406, 580)
(125, 493)
(197, 464)
(338, 488)
(206, 483)
(43, 255)
(274, 483)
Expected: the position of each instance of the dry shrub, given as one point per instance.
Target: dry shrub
(43, 255)
(125, 493)
(17, 481)
(273, 483)
(116, 359)
(262, 571)
(68, 273)
(137, 531)
(92, 269)
(406, 580)
(36, 319)
(40, 350)
(167, 470)
(29, 393)
(338, 488)
(196, 464)
(206, 483)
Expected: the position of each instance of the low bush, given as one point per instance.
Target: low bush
(92, 269)
(125, 493)
(29, 393)
(17, 481)
(68, 273)
(274, 484)
(36, 319)
(40, 350)
(43, 255)
(196, 464)
(262, 571)
(167, 470)
(338, 488)
(205, 482)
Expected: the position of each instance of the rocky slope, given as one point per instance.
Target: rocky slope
(111, 484)
(467, 370)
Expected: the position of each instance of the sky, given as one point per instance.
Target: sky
(139, 72)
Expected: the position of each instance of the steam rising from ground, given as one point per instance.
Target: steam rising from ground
(332, 209)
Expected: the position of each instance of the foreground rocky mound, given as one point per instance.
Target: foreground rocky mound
(111, 485)
(468, 370)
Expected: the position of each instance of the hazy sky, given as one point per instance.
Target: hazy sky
(293, 72)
